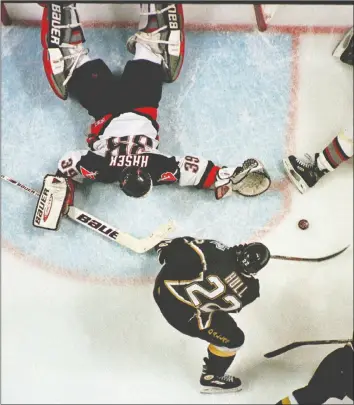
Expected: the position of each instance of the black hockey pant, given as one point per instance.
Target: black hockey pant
(102, 93)
(222, 330)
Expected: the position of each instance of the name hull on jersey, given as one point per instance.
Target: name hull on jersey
(99, 226)
(236, 284)
(129, 160)
(55, 21)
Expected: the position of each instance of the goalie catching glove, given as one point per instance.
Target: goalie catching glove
(55, 199)
(249, 180)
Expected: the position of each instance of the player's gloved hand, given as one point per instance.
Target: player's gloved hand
(223, 182)
(239, 249)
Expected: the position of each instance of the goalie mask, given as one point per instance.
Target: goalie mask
(135, 182)
(252, 258)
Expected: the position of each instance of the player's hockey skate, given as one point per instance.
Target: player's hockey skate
(250, 179)
(211, 384)
(301, 173)
(345, 49)
(62, 40)
(161, 29)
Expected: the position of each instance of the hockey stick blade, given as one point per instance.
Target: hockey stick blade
(135, 244)
(309, 259)
(294, 345)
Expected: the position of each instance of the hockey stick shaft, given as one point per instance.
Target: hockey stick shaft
(122, 238)
(309, 259)
(294, 345)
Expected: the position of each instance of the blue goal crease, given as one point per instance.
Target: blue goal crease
(231, 102)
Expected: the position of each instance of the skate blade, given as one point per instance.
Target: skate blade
(217, 390)
(297, 180)
(343, 44)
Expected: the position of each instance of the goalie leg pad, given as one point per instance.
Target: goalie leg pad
(50, 203)
(161, 30)
(62, 38)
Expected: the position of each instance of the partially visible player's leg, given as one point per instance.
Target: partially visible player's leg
(158, 49)
(333, 378)
(305, 174)
(345, 48)
(225, 339)
(219, 329)
(337, 152)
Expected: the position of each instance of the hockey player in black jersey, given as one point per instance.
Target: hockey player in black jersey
(333, 378)
(200, 283)
(123, 141)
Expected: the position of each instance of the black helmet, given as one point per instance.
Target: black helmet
(135, 182)
(252, 258)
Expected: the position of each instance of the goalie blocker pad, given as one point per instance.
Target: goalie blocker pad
(50, 202)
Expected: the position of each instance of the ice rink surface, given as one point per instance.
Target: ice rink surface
(79, 324)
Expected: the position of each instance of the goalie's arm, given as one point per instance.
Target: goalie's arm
(195, 171)
(164, 169)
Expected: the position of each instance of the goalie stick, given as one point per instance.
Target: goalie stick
(309, 259)
(294, 345)
(122, 238)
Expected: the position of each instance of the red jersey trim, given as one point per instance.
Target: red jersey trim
(151, 112)
(210, 180)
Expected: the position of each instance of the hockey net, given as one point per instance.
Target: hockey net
(264, 14)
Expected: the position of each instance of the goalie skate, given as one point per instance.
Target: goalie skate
(161, 29)
(62, 40)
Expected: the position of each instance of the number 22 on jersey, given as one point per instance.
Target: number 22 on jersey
(194, 294)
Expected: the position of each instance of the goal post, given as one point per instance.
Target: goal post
(264, 14)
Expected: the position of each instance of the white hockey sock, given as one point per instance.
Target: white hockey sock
(143, 52)
(337, 152)
(323, 164)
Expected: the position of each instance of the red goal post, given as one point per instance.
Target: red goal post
(5, 18)
(264, 14)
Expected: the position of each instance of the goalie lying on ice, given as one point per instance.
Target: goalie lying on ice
(124, 139)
